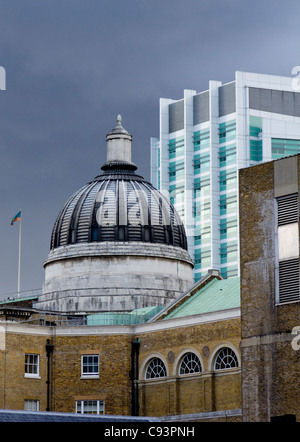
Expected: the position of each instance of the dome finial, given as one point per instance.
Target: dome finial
(119, 129)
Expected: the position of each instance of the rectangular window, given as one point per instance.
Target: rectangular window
(223, 253)
(198, 276)
(32, 365)
(201, 140)
(176, 193)
(227, 131)
(228, 204)
(31, 405)
(201, 163)
(90, 407)
(228, 252)
(256, 150)
(223, 228)
(202, 236)
(255, 131)
(201, 210)
(202, 258)
(255, 126)
(227, 155)
(201, 187)
(176, 170)
(284, 147)
(228, 179)
(90, 366)
(176, 147)
(223, 271)
(228, 228)
(287, 271)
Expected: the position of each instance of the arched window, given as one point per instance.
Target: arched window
(226, 358)
(155, 369)
(189, 364)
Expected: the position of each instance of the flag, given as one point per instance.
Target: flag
(16, 218)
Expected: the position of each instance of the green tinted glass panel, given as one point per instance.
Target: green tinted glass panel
(201, 139)
(284, 147)
(227, 131)
(176, 147)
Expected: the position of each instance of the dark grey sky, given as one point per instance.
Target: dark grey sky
(73, 65)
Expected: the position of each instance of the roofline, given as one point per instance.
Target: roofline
(210, 276)
(137, 329)
(7, 415)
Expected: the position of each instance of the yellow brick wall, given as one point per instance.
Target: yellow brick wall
(168, 396)
(194, 393)
(113, 384)
(15, 387)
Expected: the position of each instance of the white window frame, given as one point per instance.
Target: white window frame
(226, 356)
(93, 374)
(190, 364)
(35, 363)
(155, 369)
(81, 406)
(31, 405)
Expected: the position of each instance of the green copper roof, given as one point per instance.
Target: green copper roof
(215, 296)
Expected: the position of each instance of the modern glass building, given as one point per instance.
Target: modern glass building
(205, 138)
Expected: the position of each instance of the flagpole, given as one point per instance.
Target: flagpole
(19, 269)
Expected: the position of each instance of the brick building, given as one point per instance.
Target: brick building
(270, 295)
(174, 366)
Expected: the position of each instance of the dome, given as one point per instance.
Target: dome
(117, 244)
(118, 205)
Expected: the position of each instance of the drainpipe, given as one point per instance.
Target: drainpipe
(49, 351)
(135, 348)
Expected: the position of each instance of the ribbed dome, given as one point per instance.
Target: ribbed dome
(118, 205)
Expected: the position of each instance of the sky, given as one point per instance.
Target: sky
(73, 65)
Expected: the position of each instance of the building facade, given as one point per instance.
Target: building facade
(270, 289)
(183, 363)
(205, 138)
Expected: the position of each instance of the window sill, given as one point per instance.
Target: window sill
(94, 376)
(32, 376)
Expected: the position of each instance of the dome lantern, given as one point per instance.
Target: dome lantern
(118, 144)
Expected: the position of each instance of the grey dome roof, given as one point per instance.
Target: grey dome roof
(118, 205)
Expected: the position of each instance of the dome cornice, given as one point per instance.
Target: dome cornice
(108, 249)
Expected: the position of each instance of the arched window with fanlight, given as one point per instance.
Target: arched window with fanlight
(155, 369)
(189, 364)
(225, 359)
